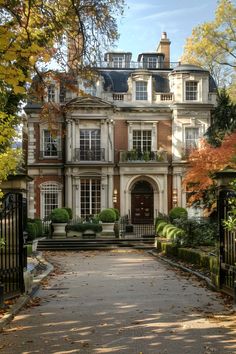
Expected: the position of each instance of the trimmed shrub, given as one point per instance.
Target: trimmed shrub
(69, 211)
(117, 213)
(178, 213)
(82, 227)
(107, 215)
(39, 224)
(160, 226)
(59, 215)
(31, 229)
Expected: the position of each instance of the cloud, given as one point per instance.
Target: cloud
(172, 13)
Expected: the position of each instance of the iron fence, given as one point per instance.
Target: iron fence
(128, 230)
(12, 252)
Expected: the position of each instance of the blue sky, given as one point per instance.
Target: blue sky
(144, 21)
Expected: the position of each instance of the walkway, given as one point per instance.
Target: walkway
(124, 301)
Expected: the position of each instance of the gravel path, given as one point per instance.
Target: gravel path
(120, 302)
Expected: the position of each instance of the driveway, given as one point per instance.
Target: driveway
(124, 301)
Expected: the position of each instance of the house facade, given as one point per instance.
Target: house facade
(122, 143)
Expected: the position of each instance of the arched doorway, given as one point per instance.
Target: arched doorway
(142, 203)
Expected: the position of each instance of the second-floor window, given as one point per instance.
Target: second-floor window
(51, 93)
(90, 145)
(141, 91)
(191, 90)
(191, 139)
(50, 144)
(142, 140)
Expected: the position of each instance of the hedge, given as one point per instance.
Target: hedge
(191, 256)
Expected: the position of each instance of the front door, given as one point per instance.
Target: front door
(142, 203)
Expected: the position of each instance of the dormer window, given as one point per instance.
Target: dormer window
(141, 91)
(51, 93)
(118, 62)
(151, 63)
(191, 90)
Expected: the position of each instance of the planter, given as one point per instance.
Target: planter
(108, 229)
(59, 230)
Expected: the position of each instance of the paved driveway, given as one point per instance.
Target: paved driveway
(120, 302)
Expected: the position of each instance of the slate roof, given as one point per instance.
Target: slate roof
(117, 81)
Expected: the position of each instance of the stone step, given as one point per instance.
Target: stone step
(93, 244)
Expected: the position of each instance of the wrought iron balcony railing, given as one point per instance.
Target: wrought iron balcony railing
(50, 154)
(89, 155)
(143, 156)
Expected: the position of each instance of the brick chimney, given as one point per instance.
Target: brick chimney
(164, 48)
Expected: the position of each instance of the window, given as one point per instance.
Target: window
(191, 139)
(142, 140)
(118, 62)
(51, 93)
(191, 93)
(152, 63)
(50, 198)
(90, 145)
(50, 144)
(90, 196)
(141, 90)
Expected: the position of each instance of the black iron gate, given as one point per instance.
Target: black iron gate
(12, 252)
(226, 203)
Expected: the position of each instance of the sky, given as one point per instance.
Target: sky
(144, 21)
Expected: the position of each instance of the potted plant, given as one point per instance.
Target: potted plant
(108, 218)
(59, 218)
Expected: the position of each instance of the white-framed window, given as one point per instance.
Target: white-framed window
(90, 196)
(50, 198)
(141, 91)
(90, 144)
(118, 62)
(51, 93)
(142, 140)
(191, 90)
(151, 62)
(191, 139)
(50, 144)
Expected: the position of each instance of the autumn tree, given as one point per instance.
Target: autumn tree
(203, 164)
(213, 44)
(223, 119)
(35, 34)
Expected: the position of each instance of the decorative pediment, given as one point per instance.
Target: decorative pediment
(89, 102)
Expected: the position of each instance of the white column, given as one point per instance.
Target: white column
(68, 190)
(68, 141)
(130, 137)
(31, 199)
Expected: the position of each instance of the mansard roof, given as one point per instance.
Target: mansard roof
(117, 81)
(189, 68)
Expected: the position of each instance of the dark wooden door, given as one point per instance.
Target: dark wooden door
(142, 208)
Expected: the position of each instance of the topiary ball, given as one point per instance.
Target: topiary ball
(107, 215)
(178, 213)
(59, 215)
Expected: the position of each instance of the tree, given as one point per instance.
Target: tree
(204, 163)
(35, 34)
(223, 119)
(213, 44)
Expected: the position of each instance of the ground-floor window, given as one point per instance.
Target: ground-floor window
(50, 198)
(90, 196)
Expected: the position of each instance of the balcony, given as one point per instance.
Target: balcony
(81, 155)
(136, 65)
(51, 154)
(143, 156)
